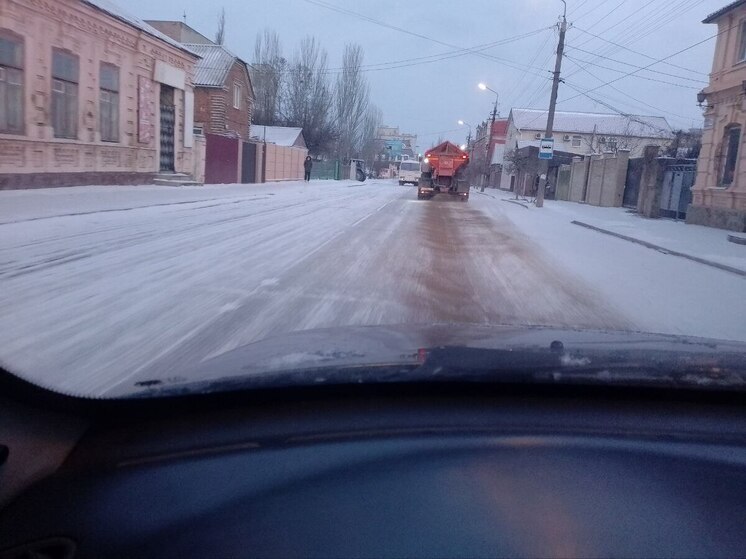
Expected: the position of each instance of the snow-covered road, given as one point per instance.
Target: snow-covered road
(104, 286)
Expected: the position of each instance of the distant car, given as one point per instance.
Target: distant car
(410, 172)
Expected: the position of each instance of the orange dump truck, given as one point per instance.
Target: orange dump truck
(443, 172)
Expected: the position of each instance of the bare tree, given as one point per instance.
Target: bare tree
(630, 137)
(268, 70)
(220, 33)
(685, 144)
(521, 165)
(352, 97)
(370, 146)
(307, 96)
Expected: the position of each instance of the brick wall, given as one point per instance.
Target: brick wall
(213, 107)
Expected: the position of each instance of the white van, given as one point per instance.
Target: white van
(410, 172)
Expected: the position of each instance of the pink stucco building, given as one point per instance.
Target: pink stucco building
(91, 95)
(719, 194)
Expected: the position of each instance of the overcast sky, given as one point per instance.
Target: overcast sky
(428, 96)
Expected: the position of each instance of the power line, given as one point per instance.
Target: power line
(632, 65)
(589, 12)
(358, 15)
(576, 8)
(589, 63)
(638, 52)
(651, 20)
(458, 51)
(633, 118)
(517, 83)
(614, 9)
(648, 66)
(594, 76)
(654, 20)
(407, 62)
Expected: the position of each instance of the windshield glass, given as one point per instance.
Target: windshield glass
(225, 190)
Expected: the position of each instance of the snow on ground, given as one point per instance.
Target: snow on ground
(21, 205)
(658, 292)
(103, 286)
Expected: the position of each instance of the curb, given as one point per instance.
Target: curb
(646, 244)
(737, 240)
(516, 202)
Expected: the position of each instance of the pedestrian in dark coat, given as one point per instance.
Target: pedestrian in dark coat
(308, 165)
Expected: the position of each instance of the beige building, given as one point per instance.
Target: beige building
(719, 194)
(90, 95)
(392, 133)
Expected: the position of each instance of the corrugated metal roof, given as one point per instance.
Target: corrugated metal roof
(585, 123)
(280, 135)
(215, 65)
(722, 11)
(115, 11)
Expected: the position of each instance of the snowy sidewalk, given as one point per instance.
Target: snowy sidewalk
(34, 204)
(655, 290)
(704, 244)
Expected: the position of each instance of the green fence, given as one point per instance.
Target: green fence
(326, 170)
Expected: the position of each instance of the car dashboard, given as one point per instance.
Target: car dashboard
(401, 470)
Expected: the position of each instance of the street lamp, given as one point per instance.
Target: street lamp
(469, 143)
(468, 139)
(485, 87)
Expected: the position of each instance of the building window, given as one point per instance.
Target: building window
(236, 96)
(64, 94)
(577, 141)
(732, 141)
(109, 102)
(11, 85)
(742, 44)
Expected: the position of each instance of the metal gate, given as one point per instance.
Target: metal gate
(676, 194)
(168, 125)
(632, 182)
(221, 159)
(563, 183)
(251, 153)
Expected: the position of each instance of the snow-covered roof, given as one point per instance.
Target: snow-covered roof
(115, 11)
(280, 135)
(586, 123)
(215, 65)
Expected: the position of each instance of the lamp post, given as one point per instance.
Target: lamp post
(485, 87)
(468, 139)
(469, 143)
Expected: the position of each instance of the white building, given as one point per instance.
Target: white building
(588, 133)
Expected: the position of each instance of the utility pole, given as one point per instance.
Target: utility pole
(552, 106)
(487, 160)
